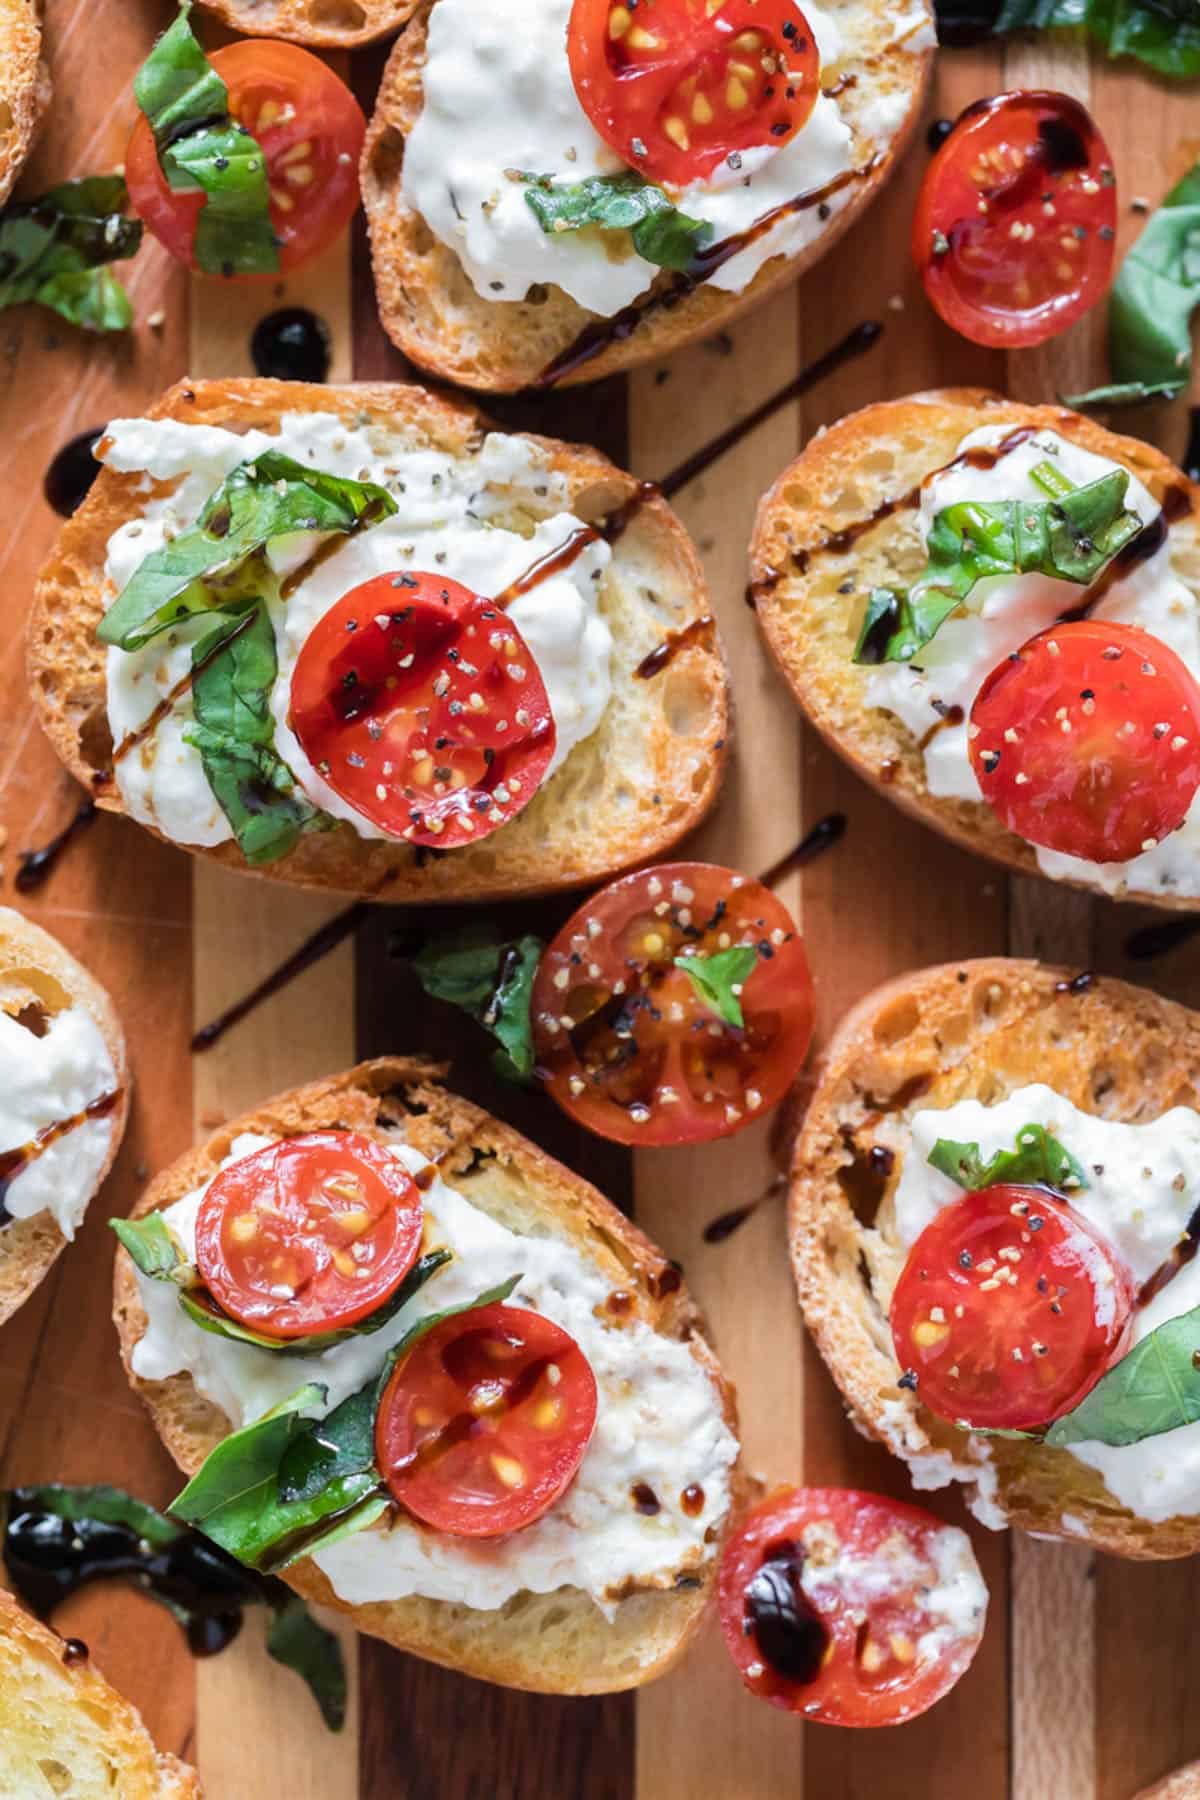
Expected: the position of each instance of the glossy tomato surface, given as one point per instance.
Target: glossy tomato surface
(625, 1038)
(1014, 229)
(829, 1605)
(677, 87)
(308, 1235)
(420, 703)
(1087, 741)
(1011, 1306)
(311, 129)
(484, 1423)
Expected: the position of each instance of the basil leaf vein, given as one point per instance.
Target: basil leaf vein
(1039, 1160)
(624, 202)
(491, 978)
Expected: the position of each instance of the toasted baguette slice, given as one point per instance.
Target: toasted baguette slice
(38, 976)
(65, 1734)
(811, 625)
(552, 1643)
(333, 24)
(24, 86)
(645, 777)
(430, 308)
(973, 1030)
(1184, 1784)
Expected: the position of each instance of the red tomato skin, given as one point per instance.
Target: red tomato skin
(839, 1694)
(1124, 776)
(629, 95)
(432, 1373)
(777, 1001)
(948, 209)
(287, 1174)
(1084, 1279)
(255, 70)
(369, 722)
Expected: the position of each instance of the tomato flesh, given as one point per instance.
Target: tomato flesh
(483, 1425)
(626, 1043)
(308, 1235)
(1010, 1308)
(1014, 231)
(1087, 740)
(825, 1597)
(677, 87)
(420, 703)
(311, 130)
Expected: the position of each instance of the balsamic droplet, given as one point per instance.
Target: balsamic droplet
(72, 472)
(292, 344)
(787, 1628)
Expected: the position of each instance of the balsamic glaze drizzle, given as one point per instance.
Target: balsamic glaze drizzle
(36, 865)
(71, 473)
(824, 835)
(664, 654)
(334, 932)
(1150, 941)
(961, 23)
(1191, 456)
(292, 344)
(726, 1223)
(12, 1162)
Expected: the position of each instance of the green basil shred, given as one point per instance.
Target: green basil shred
(624, 202)
(55, 250)
(715, 978)
(1165, 34)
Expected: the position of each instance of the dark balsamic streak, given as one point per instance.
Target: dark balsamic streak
(824, 835)
(664, 654)
(1182, 1254)
(14, 1162)
(1191, 456)
(1078, 984)
(165, 706)
(1157, 940)
(962, 23)
(36, 865)
(72, 471)
(334, 932)
(725, 1224)
(1176, 505)
(855, 343)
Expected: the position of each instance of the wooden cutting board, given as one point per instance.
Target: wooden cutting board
(1057, 1707)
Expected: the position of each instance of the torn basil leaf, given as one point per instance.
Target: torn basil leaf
(234, 730)
(58, 1539)
(1154, 1388)
(715, 978)
(154, 1250)
(626, 202)
(1072, 538)
(492, 979)
(55, 250)
(203, 150)
(1165, 34)
(265, 497)
(1155, 295)
(1039, 1160)
(1122, 393)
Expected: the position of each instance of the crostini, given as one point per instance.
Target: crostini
(350, 638)
(990, 610)
(992, 1221)
(24, 86)
(1183, 1784)
(486, 1422)
(64, 1097)
(330, 24)
(65, 1731)
(537, 216)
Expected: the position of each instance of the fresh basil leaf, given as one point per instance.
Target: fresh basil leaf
(302, 1644)
(1165, 34)
(1155, 1388)
(54, 250)
(1039, 1160)
(1123, 393)
(234, 731)
(715, 978)
(492, 979)
(201, 149)
(57, 1539)
(263, 498)
(626, 202)
(1072, 538)
(153, 1249)
(1155, 294)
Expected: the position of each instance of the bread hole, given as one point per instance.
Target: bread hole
(990, 1090)
(95, 740)
(58, 1776)
(33, 1018)
(687, 702)
(879, 462)
(337, 15)
(538, 294)
(7, 120)
(851, 501)
(954, 1032)
(897, 1021)
(556, 1616)
(1103, 1083)
(991, 1000)
(797, 498)
(50, 997)
(387, 157)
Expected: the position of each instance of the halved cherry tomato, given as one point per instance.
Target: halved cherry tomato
(1014, 230)
(625, 1039)
(829, 1602)
(1087, 740)
(309, 1235)
(1011, 1306)
(677, 86)
(311, 129)
(420, 703)
(483, 1425)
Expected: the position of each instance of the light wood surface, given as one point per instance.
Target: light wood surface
(1082, 1690)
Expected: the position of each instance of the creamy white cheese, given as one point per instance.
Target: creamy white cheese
(44, 1080)
(446, 523)
(658, 1420)
(1142, 1186)
(498, 96)
(1003, 612)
